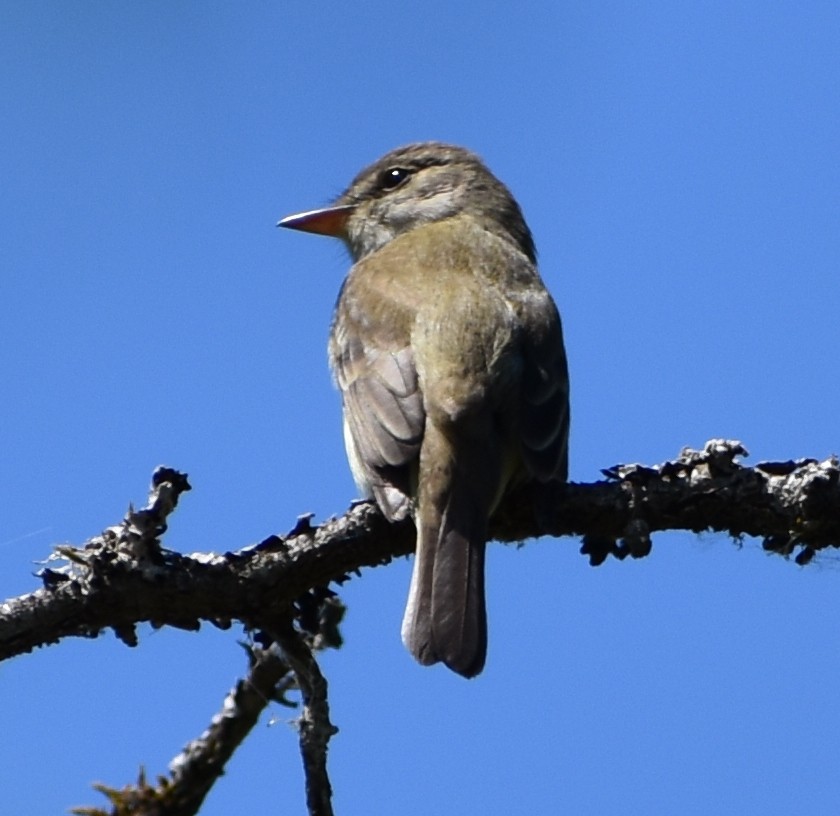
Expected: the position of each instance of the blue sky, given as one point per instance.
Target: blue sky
(678, 164)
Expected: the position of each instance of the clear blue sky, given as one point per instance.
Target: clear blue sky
(679, 164)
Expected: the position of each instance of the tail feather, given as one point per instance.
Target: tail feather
(445, 618)
(459, 617)
(417, 621)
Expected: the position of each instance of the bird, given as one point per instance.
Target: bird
(448, 351)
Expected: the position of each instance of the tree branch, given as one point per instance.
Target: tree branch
(314, 726)
(124, 577)
(202, 762)
(195, 770)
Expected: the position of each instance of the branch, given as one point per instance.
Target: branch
(195, 770)
(314, 724)
(791, 506)
(279, 587)
(123, 577)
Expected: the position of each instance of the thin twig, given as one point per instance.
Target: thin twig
(195, 770)
(314, 726)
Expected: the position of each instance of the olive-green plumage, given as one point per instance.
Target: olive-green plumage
(449, 355)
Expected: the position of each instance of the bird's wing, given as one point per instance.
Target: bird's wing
(544, 407)
(383, 415)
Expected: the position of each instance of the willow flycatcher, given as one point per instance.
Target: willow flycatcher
(448, 352)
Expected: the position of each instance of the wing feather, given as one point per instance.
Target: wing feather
(383, 411)
(544, 406)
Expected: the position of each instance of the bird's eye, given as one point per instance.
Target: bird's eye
(393, 177)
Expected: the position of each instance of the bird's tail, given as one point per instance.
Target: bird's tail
(445, 618)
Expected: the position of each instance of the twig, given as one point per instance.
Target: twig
(195, 770)
(314, 726)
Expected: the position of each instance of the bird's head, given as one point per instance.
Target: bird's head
(412, 186)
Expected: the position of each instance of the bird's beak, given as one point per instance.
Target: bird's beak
(328, 221)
